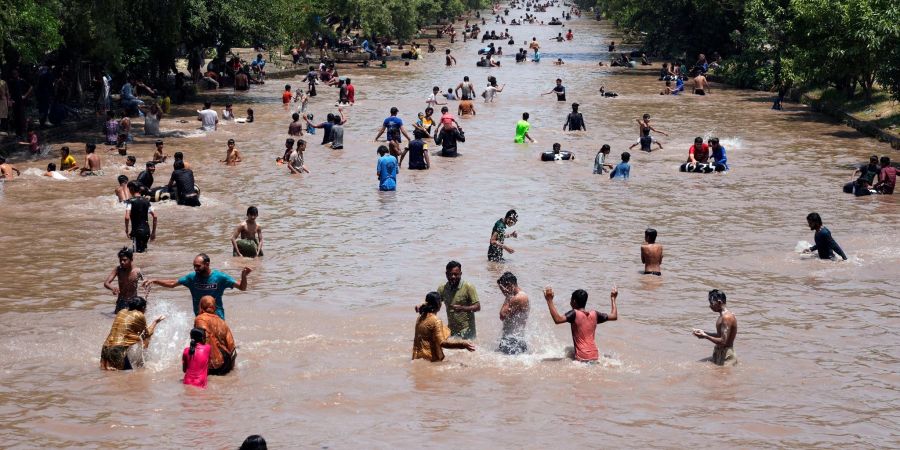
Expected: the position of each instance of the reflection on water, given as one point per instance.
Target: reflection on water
(325, 330)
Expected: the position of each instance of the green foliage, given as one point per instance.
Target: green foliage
(29, 28)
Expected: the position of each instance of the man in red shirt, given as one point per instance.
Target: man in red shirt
(583, 323)
(698, 154)
(887, 178)
(351, 92)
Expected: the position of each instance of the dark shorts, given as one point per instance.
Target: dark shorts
(227, 365)
(659, 274)
(193, 200)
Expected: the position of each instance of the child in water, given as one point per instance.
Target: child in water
(247, 238)
(195, 359)
(310, 128)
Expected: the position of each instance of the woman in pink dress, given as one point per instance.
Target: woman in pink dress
(195, 359)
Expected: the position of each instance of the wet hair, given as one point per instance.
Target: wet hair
(178, 165)
(507, 279)
(650, 234)
(432, 304)
(574, 106)
(556, 146)
(198, 336)
(347, 81)
(178, 156)
(64, 149)
(382, 150)
(131, 159)
(445, 109)
(150, 164)
(452, 265)
(714, 141)
(289, 142)
(605, 148)
(716, 295)
(249, 111)
(252, 211)
(698, 140)
(121, 178)
(394, 111)
(126, 252)
(90, 147)
(134, 186)
(287, 87)
(873, 159)
(336, 119)
(525, 116)
(159, 142)
(646, 116)
(580, 298)
(254, 442)
(295, 116)
(137, 304)
(626, 156)
(52, 167)
(329, 117)
(466, 78)
(559, 80)
(231, 141)
(436, 89)
(512, 214)
(814, 218)
(207, 105)
(204, 257)
(885, 161)
(447, 51)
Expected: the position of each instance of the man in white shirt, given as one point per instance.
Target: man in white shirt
(208, 118)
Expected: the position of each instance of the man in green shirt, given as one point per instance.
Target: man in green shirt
(461, 301)
(522, 128)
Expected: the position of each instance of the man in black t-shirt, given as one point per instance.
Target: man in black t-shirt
(559, 89)
(145, 178)
(182, 180)
(137, 210)
(574, 121)
(418, 155)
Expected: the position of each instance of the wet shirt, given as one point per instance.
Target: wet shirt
(393, 125)
(387, 173)
(145, 178)
(623, 170)
(430, 334)
(560, 91)
(869, 173)
(184, 182)
(139, 209)
(218, 336)
(575, 121)
(213, 285)
(522, 127)
(448, 140)
(337, 136)
(718, 155)
(888, 177)
(417, 155)
(67, 163)
(208, 119)
(286, 97)
(584, 325)
(599, 160)
(197, 365)
(495, 252)
(461, 323)
(327, 136)
(701, 155)
(127, 329)
(826, 246)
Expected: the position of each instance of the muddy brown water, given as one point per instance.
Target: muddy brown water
(325, 330)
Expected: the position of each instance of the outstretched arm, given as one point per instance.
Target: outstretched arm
(557, 317)
(613, 311)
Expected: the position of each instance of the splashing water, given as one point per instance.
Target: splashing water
(172, 335)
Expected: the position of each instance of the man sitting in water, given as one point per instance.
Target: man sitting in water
(698, 155)
(651, 253)
(182, 180)
(726, 331)
(583, 323)
(863, 178)
(247, 238)
(129, 278)
(557, 154)
(825, 244)
(514, 314)
(222, 350)
(145, 178)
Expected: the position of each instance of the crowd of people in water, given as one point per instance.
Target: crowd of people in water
(212, 349)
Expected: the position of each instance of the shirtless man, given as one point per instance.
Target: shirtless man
(232, 155)
(129, 278)
(451, 60)
(91, 161)
(701, 86)
(514, 314)
(651, 253)
(466, 108)
(248, 235)
(645, 140)
(296, 127)
(159, 155)
(726, 331)
(6, 170)
(122, 191)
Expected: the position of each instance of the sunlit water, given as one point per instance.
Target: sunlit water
(325, 330)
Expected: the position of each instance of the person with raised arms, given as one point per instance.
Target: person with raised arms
(583, 323)
(205, 281)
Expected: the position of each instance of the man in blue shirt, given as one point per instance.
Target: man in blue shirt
(718, 155)
(825, 244)
(205, 281)
(386, 170)
(394, 127)
(623, 169)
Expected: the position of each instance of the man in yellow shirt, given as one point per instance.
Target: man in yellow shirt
(67, 161)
